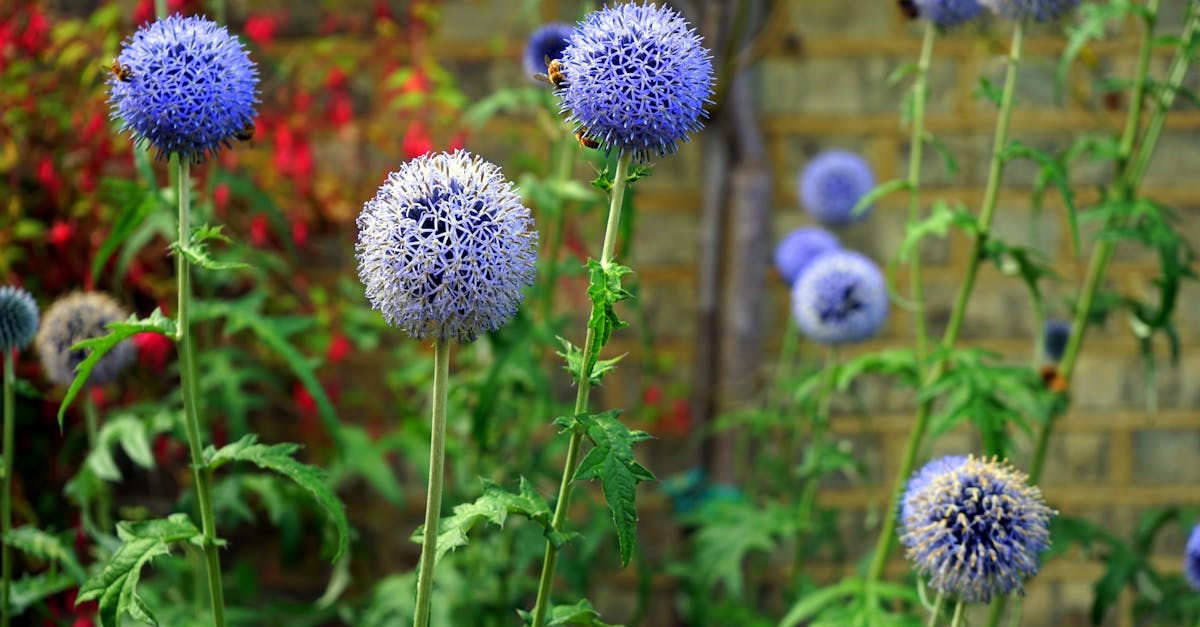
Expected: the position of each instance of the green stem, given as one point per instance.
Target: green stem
(103, 502)
(6, 497)
(563, 166)
(187, 384)
(583, 385)
(958, 614)
(808, 494)
(996, 611)
(433, 500)
(887, 532)
(160, 8)
(937, 610)
(1014, 619)
(916, 143)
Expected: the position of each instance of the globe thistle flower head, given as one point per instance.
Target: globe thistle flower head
(832, 183)
(975, 528)
(18, 318)
(840, 298)
(637, 79)
(185, 85)
(74, 318)
(1057, 332)
(921, 480)
(948, 13)
(799, 249)
(1036, 10)
(1191, 559)
(445, 247)
(547, 42)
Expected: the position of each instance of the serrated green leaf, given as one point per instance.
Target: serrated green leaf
(115, 586)
(133, 435)
(37, 543)
(580, 614)
(938, 222)
(31, 589)
(731, 530)
(98, 347)
(605, 291)
(278, 458)
(196, 250)
(494, 506)
(987, 90)
(573, 356)
(611, 461)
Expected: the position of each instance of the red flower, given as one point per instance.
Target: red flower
(304, 401)
(339, 347)
(679, 421)
(299, 232)
(260, 232)
(416, 141)
(48, 176)
(144, 12)
(221, 197)
(98, 397)
(33, 37)
(458, 141)
(416, 83)
(167, 450)
(341, 110)
(652, 396)
(60, 233)
(335, 79)
(261, 28)
(153, 350)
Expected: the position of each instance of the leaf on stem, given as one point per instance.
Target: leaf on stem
(133, 435)
(873, 196)
(494, 506)
(938, 222)
(605, 291)
(37, 543)
(581, 614)
(611, 461)
(573, 355)
(196, 250)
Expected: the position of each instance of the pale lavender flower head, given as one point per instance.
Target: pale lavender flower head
(1057, 333)
(1036, 10)
(445, 247)
(948, 13)
(921, 480)
(841, 298)
(976, 528)
(832, 183)
(799, 249)
(72, 319)
(185, 85)
(18, 318)
(547, 42)
(1191, 559)
(637, 79)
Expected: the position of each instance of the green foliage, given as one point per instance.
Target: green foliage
(46, 546)
(99, 347)
(196, 250)
(278, 458)
(605, 291)
(31, 589)
(938, 223)
(132, 433)
(611, 461)
(573, 355)
(877, 193)
(580, 614)
(115, 586)
(731, 531)
(1053, 170)
(135, 203)
(495, 505)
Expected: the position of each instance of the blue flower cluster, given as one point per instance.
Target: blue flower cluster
(547, 42)
(1191, 558)
(948, 13)
(445, 247)
(637, 79)
(840, 298)
(185, 85)
(1057, 333)
(18, 318)
(74, 318)
(799, 249)
(833, 183)
(974, 526)
(1037, 10)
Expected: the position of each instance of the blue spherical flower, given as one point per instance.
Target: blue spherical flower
(948, 13)
(185, 85)
(1191, 558)
(637, 79)
(72, 319)
(799, 249)
(921, 480)
(1037, 10)
(1055, 343)
(445, 247)
(547, 42)
(975, 528)
(832, 183)
(18, 318)
(841, 298)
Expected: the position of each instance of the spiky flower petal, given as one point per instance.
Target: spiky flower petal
(948, 13)
(1191, 558)
(637, 79)
(1036, 10)
(74, 318)
(185, 85)
(841, 298)
(547, 42)
(18, 318)
(799, 249)
(975, 527)
(833, 183)
(445, 247)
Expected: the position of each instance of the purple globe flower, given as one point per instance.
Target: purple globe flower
(832, 183)
(1191, 558)
(1037, 10)
(948, 13)
(841, 298)
(185, 85)
(18, 318)
(921, 480)
(74, 318)
(445, 247)
(1057, 332)
(637, 79)
(799, 249)
(547, 42)
(975, 528)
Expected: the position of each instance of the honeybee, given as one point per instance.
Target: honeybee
(247, 132)
(554, 73)
(585, 141)
(908, 8)
(122, 72)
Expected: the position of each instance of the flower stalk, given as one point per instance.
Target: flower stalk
(6, 497)
(433, 499)
(915, 146)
